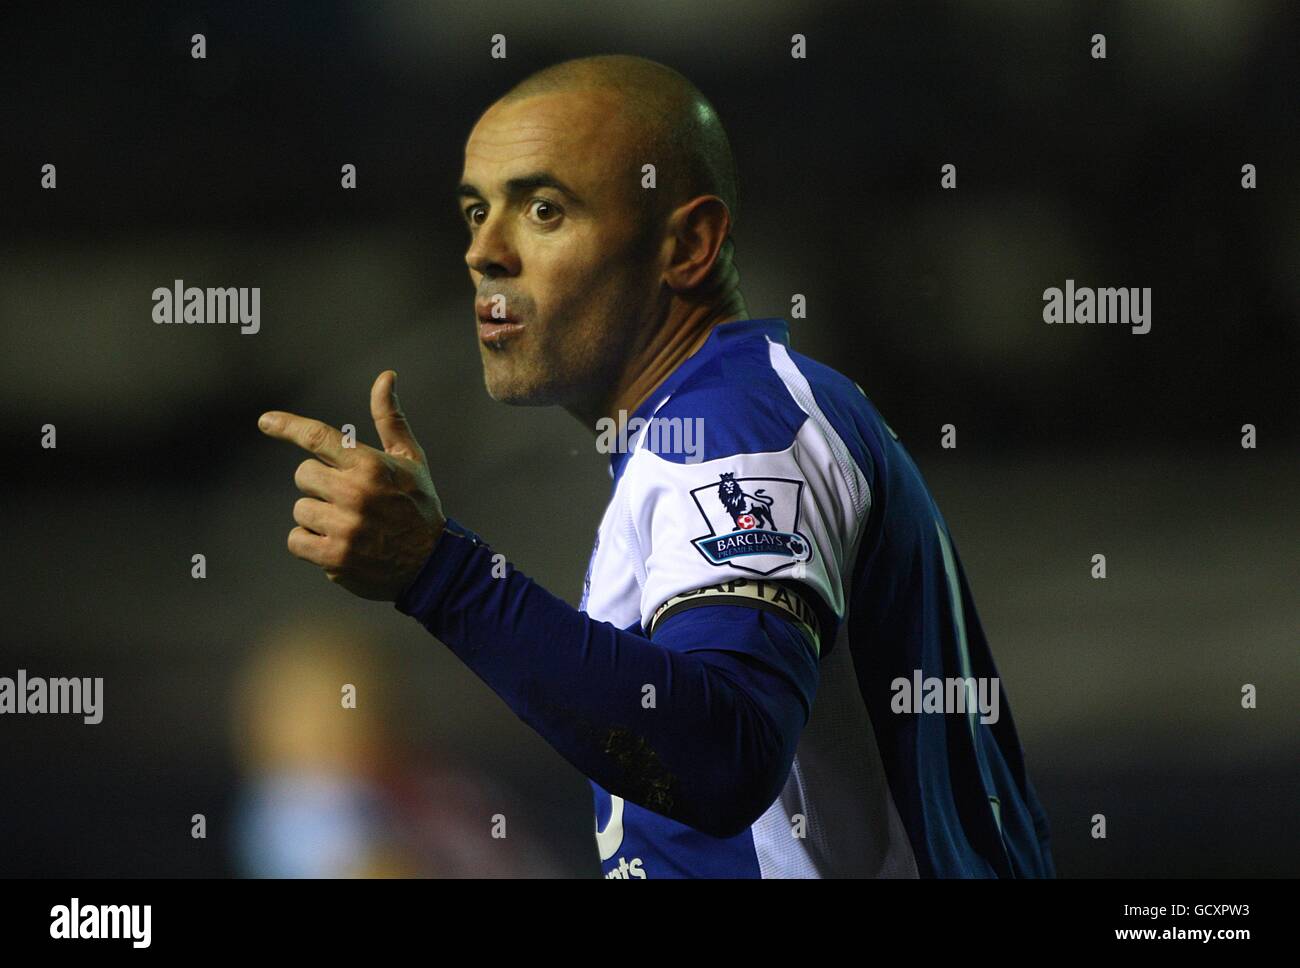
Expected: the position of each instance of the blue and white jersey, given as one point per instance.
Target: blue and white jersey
(754, 473)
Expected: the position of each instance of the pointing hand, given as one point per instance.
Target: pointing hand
(370, 518)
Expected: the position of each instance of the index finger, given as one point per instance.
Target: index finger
(312, 436)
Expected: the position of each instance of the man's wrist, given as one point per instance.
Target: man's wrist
(451, 548)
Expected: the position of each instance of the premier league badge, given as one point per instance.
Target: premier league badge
(751, 518)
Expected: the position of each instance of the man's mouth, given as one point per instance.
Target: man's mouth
(495, 332)
(494, 326)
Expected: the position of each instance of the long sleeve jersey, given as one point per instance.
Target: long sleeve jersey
(777, 668)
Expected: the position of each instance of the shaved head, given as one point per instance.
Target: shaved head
(676, 128)
(599, 282)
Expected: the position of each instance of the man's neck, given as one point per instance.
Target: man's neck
(669, 346)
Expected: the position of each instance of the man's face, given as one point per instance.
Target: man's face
(578, 268)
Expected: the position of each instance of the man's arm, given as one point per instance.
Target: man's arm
(699, 724)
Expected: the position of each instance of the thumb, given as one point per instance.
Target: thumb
(394, 432)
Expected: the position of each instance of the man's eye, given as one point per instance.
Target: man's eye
(543, 210)
(469, 214)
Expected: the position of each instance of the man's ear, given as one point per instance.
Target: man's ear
(699, 229)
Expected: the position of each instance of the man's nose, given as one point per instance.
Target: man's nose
(492, 252)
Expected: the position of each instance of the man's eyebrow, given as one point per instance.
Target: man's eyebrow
(522, 185)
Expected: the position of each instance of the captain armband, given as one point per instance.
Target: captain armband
(750, 593)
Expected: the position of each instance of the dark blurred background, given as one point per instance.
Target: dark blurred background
(222, 694)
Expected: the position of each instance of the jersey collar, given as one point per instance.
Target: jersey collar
(720, 340)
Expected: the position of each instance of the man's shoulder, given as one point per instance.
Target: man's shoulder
(736, 404)
(752, 401)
